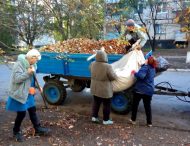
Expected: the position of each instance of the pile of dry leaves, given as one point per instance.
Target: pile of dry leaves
(84, 45)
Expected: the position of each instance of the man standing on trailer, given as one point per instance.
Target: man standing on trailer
(134, 34)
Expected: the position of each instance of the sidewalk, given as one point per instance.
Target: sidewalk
(178, 63)
(177, 57)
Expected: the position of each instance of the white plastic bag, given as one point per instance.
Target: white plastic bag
(123, 67)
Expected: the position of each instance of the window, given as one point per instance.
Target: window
(140, 8)
(186, 3)
(162, 7)
(160, 29)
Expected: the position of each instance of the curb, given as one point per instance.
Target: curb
(177, 69)
(175, 57)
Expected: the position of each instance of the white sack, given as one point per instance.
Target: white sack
(123, 67)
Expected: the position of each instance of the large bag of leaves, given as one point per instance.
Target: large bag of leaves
(123, 67)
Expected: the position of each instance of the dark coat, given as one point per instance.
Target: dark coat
(101, 76)
(145, 80)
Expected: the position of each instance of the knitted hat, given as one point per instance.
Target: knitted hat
(33, 53)
(130, 22)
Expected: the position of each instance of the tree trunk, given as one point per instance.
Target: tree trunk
(30, 46)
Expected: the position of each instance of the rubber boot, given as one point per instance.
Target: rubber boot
(18, 136)
(42, 130)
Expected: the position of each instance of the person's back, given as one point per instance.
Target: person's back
(145, 80)
(101, 76)
(101, 88)
(144, 89)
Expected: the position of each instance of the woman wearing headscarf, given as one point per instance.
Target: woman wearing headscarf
(101, 88)
(22, 91)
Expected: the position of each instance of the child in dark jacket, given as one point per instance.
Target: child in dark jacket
(144, 89)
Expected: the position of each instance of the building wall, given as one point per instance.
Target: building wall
(166, 28)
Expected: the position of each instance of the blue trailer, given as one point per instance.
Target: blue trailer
(72, 70)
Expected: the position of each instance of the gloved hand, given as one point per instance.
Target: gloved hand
(134, 46)
(32, 90)
(138, 47)
(133, 72)
(31, 70)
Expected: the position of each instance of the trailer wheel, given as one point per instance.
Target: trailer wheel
(121, 102)
(54, 92)
(78, 86)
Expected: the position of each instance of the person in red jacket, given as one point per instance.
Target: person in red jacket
(144, 89)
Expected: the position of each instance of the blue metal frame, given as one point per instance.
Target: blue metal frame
(77, 67)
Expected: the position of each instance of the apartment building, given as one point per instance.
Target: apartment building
(166, 29)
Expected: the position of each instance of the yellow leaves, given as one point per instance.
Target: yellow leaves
(1, 52)
(188, 10)
(82, 12)
(185, 29)
(122, 42)
(183, 18)
(113, 22)
(85, 1)
(84, 45)
(143, 29)
(126, 8)
(176, 20)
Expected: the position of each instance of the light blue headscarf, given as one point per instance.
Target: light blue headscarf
(24, 61)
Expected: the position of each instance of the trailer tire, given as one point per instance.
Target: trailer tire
(121, 102)
(78, 86)
(54, 92)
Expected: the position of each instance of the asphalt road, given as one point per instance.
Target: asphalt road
(167, 111)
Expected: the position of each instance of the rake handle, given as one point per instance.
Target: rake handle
(38, 85)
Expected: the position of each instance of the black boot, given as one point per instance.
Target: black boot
(42, 130)
(18, 136)
(36, 123)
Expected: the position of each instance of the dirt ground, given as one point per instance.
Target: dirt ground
(72, 127)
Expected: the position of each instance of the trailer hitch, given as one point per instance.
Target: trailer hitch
(169, 90)
(188, 94)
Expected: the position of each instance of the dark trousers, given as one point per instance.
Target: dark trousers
(20, 116)
(106, 107)
(147, 105)
(128, 47)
